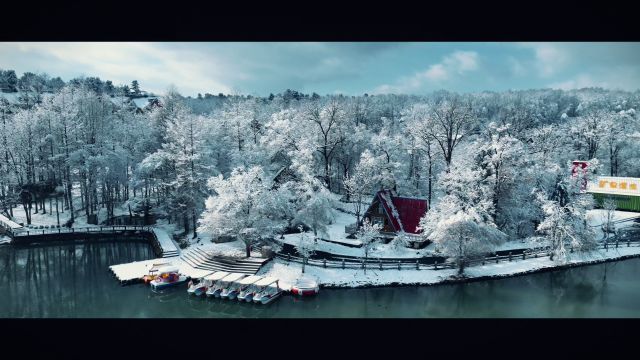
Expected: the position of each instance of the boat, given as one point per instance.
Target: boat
(236, 287)
(168, 276)
(197, 287)
(223, 283)
(214, 280)
(267, 290)
(247, 292)
(227, 285)
(153, 272)
(202, 285)
(305, 287)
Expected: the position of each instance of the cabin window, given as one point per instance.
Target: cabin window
(380, 208)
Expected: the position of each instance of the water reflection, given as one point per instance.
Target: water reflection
(72, 280)
(69, 280)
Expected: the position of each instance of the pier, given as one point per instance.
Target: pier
(161, 241)
(194, 263)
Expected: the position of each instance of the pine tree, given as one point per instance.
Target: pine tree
(135, 87)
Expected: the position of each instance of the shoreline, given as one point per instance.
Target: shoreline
(332, 278)
(452, 281)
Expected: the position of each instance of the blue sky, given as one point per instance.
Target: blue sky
(328, 68)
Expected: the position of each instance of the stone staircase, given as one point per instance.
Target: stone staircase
(200, 259)
(170, 253)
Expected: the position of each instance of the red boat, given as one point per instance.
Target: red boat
(305, 287)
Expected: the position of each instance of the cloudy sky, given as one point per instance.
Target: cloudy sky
(327, 68)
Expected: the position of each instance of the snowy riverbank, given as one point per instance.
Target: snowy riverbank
(350, 278)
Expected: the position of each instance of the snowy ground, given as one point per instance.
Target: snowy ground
(50, 217)
(381, 250)
(519, 244)
(288, 273)
(598, 217)
(336, 233)
(232, 249)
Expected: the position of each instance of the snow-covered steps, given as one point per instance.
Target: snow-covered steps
(170, 254)
(163, 240)
(9, 226)
(200, 259)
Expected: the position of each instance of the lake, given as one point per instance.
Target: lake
(73, 281)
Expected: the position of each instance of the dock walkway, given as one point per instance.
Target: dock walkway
(169, 248)
(160, 239)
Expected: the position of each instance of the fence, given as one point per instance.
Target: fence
(24, 232)
(414, 264)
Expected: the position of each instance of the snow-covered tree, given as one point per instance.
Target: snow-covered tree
(462, 237)
(451, 118)
(186, 136)
(565, 222)
(461, 223)
(359, 184)
(367, 235)
(328, 129)
(245, 207)
(399, 242)
(609, 206)
(315, 207)
(305, 246)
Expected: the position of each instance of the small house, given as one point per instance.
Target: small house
(397, 214)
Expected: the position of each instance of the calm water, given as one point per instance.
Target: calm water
(74, 281)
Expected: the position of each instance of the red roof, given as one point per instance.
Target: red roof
(408, 210)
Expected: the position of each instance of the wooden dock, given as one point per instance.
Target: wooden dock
(194, 263)
(161, 241)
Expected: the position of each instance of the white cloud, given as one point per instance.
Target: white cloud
(153, 66)
(462, 61)
(436, 72)
(452, 65)
(550, 58)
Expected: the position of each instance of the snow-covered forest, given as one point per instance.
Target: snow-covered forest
(211, 162)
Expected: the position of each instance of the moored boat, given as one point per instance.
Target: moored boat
(234, 290)
(168, 276)
(305, 287)
(153, 272)
(197, 287)
(248, 288)
(215, 282)
(267, 291)
(228, 285)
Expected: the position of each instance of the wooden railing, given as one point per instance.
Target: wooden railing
(80, 230)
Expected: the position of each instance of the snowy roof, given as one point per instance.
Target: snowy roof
(233, 277)
(119, 100)
(250, 280)
(404, 213)
(142, 102)
(266, 281)
(216, 275)
(168, 269)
